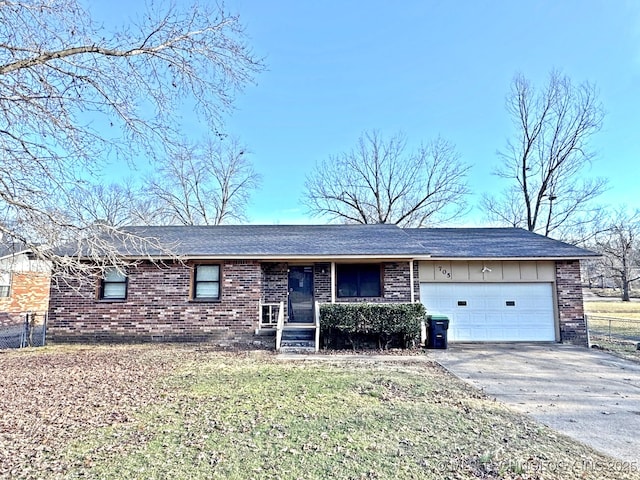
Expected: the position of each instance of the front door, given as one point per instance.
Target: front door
(300, 294)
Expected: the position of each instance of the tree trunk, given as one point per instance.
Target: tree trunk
(625, 291)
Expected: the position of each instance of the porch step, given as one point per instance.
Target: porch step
(297, 349)
(299, 338)
(298, 334)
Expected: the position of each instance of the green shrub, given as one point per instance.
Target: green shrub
(363, 324)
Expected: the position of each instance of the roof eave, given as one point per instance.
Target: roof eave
(271, 258)
(514, 258)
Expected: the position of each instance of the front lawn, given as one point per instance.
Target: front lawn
(185, 412)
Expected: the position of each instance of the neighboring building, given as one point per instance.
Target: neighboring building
(24, 284)
(231, 283)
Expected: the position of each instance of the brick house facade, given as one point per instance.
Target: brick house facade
(247, 268)
(159, 307)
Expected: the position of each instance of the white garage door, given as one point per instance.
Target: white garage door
(493, 312)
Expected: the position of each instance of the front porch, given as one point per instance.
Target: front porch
(290, 336)
(293, 292)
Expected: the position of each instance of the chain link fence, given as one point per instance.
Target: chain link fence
(613, 328)
(32, 332)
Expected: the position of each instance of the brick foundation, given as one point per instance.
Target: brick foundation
(573, 327)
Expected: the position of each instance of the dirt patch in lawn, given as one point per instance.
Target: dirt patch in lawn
(165, 411)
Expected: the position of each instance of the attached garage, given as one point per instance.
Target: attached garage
(494, 312)
(492, 300)
(502, 284)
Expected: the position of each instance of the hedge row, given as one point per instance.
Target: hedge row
(361, 324)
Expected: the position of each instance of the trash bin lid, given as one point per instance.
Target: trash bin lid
(435, 318)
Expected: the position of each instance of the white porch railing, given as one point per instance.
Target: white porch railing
(279, 326)
(316, 315)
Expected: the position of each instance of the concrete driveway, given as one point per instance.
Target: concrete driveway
(585, 394)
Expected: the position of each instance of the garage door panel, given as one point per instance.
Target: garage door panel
(493, 312)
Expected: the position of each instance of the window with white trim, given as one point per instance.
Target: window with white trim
(5, 284)
(113, 285)
(206, 282)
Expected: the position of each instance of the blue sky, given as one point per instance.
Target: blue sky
(426, 68)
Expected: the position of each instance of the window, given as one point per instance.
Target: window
(206, 284)
(5, 284)
(359, 280)
(114, 285)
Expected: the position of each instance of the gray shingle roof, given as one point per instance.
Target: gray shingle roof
(283, 240)
(493, 243)
(305, 241)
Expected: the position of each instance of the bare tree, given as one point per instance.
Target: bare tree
(547, 156)
(379, 181)
(207, 185)
(73, 93)
(113, 204)
(619, 244)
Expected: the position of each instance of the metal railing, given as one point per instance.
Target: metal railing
(32, 332)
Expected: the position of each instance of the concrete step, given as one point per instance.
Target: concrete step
(298, 334)
(297, 343)
(287, 349)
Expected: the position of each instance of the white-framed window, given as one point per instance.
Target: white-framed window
(113, 285)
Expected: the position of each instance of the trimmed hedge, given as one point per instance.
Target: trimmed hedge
(367, 324)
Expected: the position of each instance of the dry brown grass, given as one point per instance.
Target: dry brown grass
(611, 308)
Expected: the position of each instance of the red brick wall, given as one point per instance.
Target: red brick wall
(322, 282)
(158, 308)
(275, 281)
(573, 328)
(29, 293)
(158, 305)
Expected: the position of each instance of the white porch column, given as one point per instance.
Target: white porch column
(411, 281)
(333, 282)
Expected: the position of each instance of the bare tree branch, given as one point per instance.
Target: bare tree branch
(207, 185)
(74, 94)
(546, 158)
(619, 244)
(379, 182)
